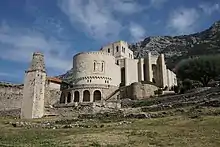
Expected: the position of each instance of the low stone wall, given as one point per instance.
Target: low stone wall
(10, 96)
(52, 96)
(137, 91)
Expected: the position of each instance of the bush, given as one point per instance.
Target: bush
(202, 69)
(187, 84)
(176, 89)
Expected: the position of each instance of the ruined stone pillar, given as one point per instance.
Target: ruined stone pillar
(141, 70)
(34, 88)
(161, 71)
(148, 67)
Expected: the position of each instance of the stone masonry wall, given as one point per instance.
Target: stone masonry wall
(10, 96)
(52, 96)
(137, 91)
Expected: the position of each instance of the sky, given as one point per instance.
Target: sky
(61, 28)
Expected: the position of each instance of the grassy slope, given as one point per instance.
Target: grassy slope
(178, 131)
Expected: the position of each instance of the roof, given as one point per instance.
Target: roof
(54, 79)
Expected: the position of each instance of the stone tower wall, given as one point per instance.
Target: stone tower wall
(122, 52)
(95, 68)
(34, 89)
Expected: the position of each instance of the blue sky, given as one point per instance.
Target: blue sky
(62, 28)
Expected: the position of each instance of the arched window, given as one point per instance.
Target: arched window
(76, 96)
(86, 96)
(62, 98)
(94, 64)
(108, 50)
(97, 95)
(116, 48)
(102, 66)
(69, 98)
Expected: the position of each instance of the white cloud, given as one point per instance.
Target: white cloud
(137, 31)
(210, 8)
(183, 20)
(127, 6)
(98, 18)
(19, 44)
(95, 18)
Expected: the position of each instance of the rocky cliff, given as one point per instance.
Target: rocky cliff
(179, 47)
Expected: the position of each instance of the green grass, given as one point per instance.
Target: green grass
(178, 131)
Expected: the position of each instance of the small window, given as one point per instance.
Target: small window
(102, 66)
(117, 62)
(116, 48)
(94, 67)
(108, 50)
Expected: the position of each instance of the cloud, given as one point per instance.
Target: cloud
(99, 19)
(127, 6)
(21, 43)
(93, 16)
(209, 8)
(137, 31)
(183, 20)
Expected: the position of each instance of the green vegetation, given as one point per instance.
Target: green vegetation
(194, 128)
(202, 69)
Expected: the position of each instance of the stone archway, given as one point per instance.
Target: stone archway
(62, 98)
(69, 98)
(76, 96)
(86, 96)
(97, 95)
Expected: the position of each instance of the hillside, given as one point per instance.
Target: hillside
(179, 47)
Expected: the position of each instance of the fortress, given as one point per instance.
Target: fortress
(105, 77)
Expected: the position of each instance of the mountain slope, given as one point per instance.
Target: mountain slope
(179, 47)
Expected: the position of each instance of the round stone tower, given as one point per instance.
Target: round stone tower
(34, 88)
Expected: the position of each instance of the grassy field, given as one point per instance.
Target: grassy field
(178, 131)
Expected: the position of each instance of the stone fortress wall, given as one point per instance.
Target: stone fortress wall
(10, 96)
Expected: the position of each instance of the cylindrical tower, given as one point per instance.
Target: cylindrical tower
(95, 68)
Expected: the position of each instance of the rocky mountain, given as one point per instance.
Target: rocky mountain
(177, 47)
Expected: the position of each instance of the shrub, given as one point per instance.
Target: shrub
(202, 69)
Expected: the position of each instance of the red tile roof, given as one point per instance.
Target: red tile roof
(53, 79)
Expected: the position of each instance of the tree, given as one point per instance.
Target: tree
(202, 69)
